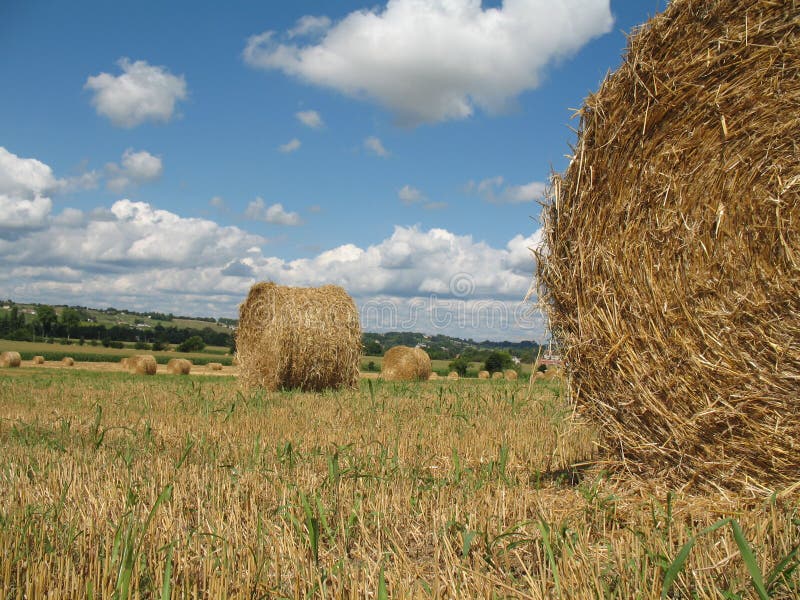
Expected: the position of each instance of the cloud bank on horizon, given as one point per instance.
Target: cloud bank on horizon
(434, 60)
(131, 252)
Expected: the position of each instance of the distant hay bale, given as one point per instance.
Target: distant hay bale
(307, 338)
(125, 362)
(179, 366)
(215, 366)
(10, 359)
(452, 375)
(68, 361)
(483, 375)
(433, 376)
(402, 363)
(143, 364)
(670, 268)
(497, 375)
(510, 375)
(38, 360)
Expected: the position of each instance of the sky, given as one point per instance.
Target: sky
(166, 156)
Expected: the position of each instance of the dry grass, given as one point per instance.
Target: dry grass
(214, 366)
(306, 338)
(183, 486)
(401, 363)
(671, 272)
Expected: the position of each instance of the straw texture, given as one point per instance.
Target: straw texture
(307, 338)
(68, 361)
(179, 366)
(401, 363)
(670, 268)
(10, 359)
(142, 364)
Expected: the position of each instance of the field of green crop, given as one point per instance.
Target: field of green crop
(117, 486)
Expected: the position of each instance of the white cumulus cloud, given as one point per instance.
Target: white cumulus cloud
(290, 146)
(434, 60)
(143, 92)
(134, 169)
(497, 191)
(310, 118)
(375, 146)
(409, 194)
(257, 210)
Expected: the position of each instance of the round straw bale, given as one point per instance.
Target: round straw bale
(402, 363)
(125, 362)
(38, 360)
(497, 375)
(10, 359)
(179, 366)
(307, 338)
(68, 361)
(452, 375)
(214, 366)
(143, 364)
(510, 374)
(483, 375)
(433, 376)
(671, 261)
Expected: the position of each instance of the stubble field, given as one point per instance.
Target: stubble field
(114, 485)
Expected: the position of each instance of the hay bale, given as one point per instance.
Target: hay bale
(179, 366)
(215, 366)
(452, 375)
(670, 265)
(497, 375)
(10, 359)
(142, 364)
(402, 363)
(68, 361)
(510, 375)
(433, 377)
(38, 360)
(307, 338)
(483, 375)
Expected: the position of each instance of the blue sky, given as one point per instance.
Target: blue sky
(168, 155)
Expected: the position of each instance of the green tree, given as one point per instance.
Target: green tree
(70, 319)
(460, 365)
(193, 344)
(46, 317)
(498, 361)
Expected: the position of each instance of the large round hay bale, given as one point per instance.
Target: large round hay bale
(497, 375)
(671, 264)
(143, 364)
(510, 375)
(402, 363)
(483, 375)
(179, 366)
(453, 375)
(38, 360)
(307, 338)
(214, 366)
(10, 359)
(68, 361)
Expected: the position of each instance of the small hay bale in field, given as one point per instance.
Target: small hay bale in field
(497, 375)
(10, 359)
(483, 375)
(452, 375)
(671, 263)
(38, 360)
(307, 338)
(214, 366)
(433, 377)
(125, 362)
(143, 364)
(68, 361)
(179, 366)
(510, 375)
(402, 363)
